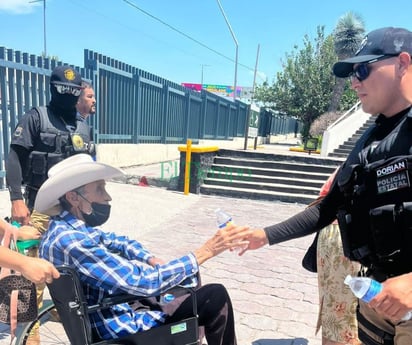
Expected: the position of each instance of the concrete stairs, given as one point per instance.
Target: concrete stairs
(268, 176)
(344, 149)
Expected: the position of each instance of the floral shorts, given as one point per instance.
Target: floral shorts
(337, 304)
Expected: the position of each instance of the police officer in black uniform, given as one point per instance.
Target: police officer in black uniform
(372, 192)
(43, 137)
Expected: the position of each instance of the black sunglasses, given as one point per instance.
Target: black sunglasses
(362, 71)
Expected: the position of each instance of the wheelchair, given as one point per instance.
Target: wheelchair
(74, 326)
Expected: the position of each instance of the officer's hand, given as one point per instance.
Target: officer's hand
(395, 300)
(20, 212)
(256, 239)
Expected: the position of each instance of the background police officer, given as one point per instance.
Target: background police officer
(376, 225)
(44, 136)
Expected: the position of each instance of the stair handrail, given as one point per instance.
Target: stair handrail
(338, 131)
(354, 108)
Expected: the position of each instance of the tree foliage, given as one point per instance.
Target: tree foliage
(303, 88)
(348, 35)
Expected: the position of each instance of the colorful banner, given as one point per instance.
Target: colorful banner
(223, 90)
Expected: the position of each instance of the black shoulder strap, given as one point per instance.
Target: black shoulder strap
(44, 117)
(355, 157)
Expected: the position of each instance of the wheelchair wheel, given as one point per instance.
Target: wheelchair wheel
(50, 329)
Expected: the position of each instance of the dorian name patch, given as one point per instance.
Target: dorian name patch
(392, 177)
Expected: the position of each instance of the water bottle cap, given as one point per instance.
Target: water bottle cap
(347, 279)
(168, 297)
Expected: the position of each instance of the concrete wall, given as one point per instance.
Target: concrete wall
(341, 131)
(126, 155)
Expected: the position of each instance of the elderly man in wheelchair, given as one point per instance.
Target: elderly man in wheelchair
(108, 265)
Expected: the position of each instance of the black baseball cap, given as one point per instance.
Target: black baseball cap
(377, 44)
(66, 75)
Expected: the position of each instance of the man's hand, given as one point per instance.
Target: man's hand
(256, 239)
(27, 232)
(229, 237)
(39, 270)
(395, 299)
(20, 212)
(153, 261)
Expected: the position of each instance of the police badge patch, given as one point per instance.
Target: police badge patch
(18, 132)
(392, 177)
(77, 142)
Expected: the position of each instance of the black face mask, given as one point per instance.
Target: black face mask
(63, 105)
(99, 215)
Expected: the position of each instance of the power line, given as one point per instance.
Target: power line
(182, 33)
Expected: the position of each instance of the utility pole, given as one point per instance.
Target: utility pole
(201, 77)
(44, 25)
(237, 47)
(251, 99)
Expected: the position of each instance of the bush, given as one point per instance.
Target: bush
(322, 123)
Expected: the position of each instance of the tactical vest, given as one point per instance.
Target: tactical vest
(376, 218)
(56, 142)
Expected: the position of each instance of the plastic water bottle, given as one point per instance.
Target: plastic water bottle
(366, 289)
(223, 220)
(166, 298)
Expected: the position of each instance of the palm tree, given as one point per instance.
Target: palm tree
(348, 35)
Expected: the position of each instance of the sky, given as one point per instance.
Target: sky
(185, 40)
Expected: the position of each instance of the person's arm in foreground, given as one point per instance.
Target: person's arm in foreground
(34, 269)
(302, 224)
(395, 299)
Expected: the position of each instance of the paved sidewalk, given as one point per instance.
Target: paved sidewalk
(275, 299)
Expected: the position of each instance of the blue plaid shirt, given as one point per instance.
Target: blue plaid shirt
(108, 264)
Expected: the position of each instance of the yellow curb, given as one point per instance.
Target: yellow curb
(300, 149)
(199, 149)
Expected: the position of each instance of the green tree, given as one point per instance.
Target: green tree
(303, 88)
(348, 35)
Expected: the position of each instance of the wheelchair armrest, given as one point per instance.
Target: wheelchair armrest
(106, 302)
(186, 287)
(118, 299)
(177, 291)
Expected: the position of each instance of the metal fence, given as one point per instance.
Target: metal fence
(133, 106)
(274, 124)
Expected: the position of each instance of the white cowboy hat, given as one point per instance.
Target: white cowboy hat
(67, 175)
